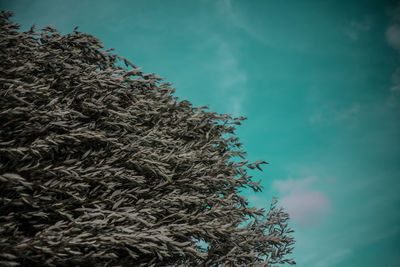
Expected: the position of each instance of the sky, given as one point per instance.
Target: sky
(319, 82)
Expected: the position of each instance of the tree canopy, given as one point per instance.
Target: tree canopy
(101, 165)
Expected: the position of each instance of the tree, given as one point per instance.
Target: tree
(101, 165)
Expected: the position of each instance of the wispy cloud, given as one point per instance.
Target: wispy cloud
(393, 31)
(305, 206)
(232, 79)
(234, 17)
(393, 40)
(229, 78)
(394, 98)
(333, 114)
(393, 36)
(334, 258)
(356, 28)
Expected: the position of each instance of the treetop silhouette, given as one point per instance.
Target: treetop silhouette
(100, 165)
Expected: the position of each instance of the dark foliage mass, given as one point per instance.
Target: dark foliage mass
(101, 166)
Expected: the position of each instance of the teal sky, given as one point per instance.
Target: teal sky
(319, 82)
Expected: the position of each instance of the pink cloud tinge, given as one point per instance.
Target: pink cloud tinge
(305, 206)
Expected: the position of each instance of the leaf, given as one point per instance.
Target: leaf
(13, 176)
(116, 205)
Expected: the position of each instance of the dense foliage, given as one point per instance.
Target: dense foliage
(101, 165)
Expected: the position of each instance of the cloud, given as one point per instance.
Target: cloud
(332, 114)
(231, 78)
(356, 28)
(334, 258)
(235, 18)
(304, 205)
(393, 36)
(222, 66)
(393, 40)
(394, 97)
(349, 112)
(290, 185)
